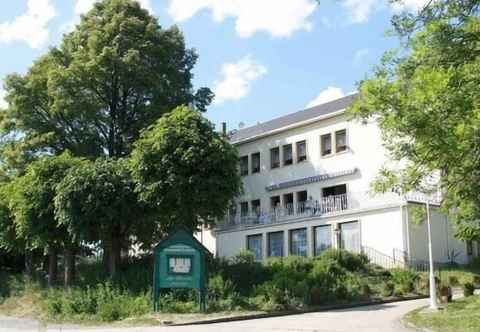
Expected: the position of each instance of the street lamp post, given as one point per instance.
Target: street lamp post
(433, 294)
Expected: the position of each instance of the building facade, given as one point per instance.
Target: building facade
(306, 187)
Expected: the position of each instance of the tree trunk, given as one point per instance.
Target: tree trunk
(52, 267)
(114, 256)
(28, 264)
(69, 273)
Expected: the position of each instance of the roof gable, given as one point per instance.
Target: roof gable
(181, 235)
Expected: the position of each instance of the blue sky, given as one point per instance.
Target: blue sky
(263, 58)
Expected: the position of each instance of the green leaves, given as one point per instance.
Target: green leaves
(185, 169)
(426, 102)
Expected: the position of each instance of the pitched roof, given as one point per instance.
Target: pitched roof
(291, 119)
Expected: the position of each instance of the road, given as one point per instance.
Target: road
(376, 318)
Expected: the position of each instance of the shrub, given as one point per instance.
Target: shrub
(453, 281)
(405, 280)
(388, 289)
(468, 289)
(349, 261)
(476, 279)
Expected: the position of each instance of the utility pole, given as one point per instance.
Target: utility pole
(433, 293)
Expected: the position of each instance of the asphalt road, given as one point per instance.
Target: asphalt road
(376, 318)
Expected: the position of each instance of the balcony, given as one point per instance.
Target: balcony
(327, 206)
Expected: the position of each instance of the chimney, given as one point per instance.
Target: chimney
(224, 128)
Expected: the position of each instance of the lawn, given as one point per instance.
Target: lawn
(459, 316)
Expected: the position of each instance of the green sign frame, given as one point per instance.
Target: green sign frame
(180, 262)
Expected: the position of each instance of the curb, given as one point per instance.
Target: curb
(299, 312)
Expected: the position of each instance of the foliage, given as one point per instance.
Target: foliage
(425, 99)
(349, 261)
(116, 73)
(185, 169)
(405, 280)
(468, 289)
(96, 201)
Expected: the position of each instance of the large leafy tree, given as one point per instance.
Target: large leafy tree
(185, 170)
(31, 204)
(97, 203)
(426, 100)
(114, 75)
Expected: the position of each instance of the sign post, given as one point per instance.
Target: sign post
(180, 262)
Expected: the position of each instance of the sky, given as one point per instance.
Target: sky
(262, 58)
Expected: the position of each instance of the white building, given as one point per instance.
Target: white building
(306, 179)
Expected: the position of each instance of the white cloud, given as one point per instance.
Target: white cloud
(280, 18)
(410, 5)
(30, 27)
(360, 10)
(3, 103)
(237, 79)
(329, 94)
(83, 6)
(360, 55)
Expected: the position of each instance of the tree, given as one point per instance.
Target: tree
(97, 202)
(185, 170)
(426, 101)
(114, 75)
(31, 203)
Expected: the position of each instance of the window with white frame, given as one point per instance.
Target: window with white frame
(350, 236)
(322, 238)
(287, 154)
(254, 244)
(275, 244)
(326, 144)
(275, 157)
(340, 140)
(301, 151)
(298, 242)
(255, 162)
(244, 165)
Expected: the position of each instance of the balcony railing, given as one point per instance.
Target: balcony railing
(326, 206)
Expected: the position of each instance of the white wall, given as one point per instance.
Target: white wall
(207, 238)
(380, 230)
(443, 240)
(365, 152)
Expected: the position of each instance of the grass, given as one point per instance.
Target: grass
(462, 315)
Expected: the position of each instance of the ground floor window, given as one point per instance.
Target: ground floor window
(275, 244)
(350, 236)
(298, 242)
(323, 238)
(254, 244)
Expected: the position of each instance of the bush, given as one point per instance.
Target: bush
(453, 281)
(349, 261)
(388, 289)
(468, 289)
(404, 280)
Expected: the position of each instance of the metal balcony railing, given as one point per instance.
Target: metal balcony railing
(325, 206)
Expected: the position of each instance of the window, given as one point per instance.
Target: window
(322, 238)
(326, 144)
(301, 151)
(254, 244)
(287, 155)
(298, 242)
(244, 165)
(275, 244)
(341, 140)
(288, 203)
(301, 201)
(275, 157)
(334, 198)
(350, 236)
(256, 206)
(256, 162)
(244, 209)
(334, 190)
(274, 202)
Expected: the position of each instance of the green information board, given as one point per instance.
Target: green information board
(180, 262)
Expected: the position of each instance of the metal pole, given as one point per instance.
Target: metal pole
(433, 293)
